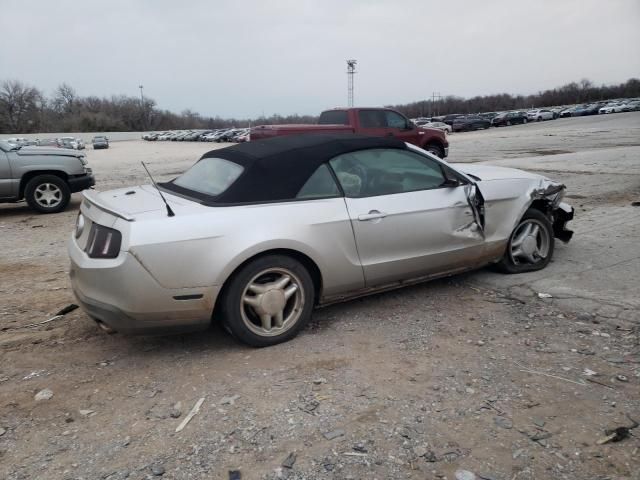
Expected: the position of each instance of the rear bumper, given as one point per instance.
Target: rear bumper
(121, 294)
(81, 182)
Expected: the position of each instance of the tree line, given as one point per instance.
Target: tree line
(572, 93)
(25, 109)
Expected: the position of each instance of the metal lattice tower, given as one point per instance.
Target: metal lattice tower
(351, 70)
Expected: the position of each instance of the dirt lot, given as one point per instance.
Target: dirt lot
(475, 372)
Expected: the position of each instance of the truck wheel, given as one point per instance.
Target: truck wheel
(435, 150)
(47, 194)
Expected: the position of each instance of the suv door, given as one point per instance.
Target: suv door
(409, 220)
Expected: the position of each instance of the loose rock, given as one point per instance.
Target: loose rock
(157, 469)
(503, 422)
(45, 394)
(289, 461)
(465, 475)
(229, 400)
(333, 434)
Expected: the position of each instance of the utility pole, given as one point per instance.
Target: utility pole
(435, 110)
(144, 123)
(351, 71)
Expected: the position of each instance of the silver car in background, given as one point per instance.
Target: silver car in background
(260, 233)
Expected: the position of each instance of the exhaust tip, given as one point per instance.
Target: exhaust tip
(105, 328)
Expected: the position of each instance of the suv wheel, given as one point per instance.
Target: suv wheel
(47, 194)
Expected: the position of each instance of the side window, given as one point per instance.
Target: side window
(394, 120)
(319, 185)
(372, 119)
(369, 173)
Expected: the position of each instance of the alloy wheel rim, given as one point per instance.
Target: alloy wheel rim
(272, 302)
(530, 243)
(48, 195)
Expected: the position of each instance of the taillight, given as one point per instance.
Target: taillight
(103, 242)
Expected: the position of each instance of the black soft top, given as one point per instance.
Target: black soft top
(276, 169)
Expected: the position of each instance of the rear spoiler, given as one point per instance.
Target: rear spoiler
(91, 196)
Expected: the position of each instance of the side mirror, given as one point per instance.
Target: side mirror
(450, 182)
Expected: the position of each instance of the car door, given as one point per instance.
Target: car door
(409, 219)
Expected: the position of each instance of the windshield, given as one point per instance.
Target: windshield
(210, 176)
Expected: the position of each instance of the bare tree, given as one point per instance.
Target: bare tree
(20, 106)
(64, 99)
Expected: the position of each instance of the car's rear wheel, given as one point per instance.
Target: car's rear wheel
(268, 301)
(47, 194)
(530, 245)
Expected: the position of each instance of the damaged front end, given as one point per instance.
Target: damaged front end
(548, 198)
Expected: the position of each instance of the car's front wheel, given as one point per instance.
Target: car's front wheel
(47, 194)
(530, 245)
(268, 301)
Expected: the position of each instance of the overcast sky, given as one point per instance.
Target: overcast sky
(245, 58)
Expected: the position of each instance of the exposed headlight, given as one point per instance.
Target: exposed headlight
(103, 242)
(82, 159)
(79, 225)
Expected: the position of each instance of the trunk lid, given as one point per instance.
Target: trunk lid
(134, 203)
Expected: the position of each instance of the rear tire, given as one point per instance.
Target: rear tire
(47, 194)
(268, 301)
(530, 246)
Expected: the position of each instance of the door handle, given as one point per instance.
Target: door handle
(372, 215)
(389, 134)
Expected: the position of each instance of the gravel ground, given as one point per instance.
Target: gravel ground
(473, 373)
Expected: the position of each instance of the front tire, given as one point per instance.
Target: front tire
(530, 245)
(47, 194)
(268, 301)
(435, 150)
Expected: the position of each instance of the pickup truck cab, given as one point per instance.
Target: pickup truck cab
(376, 122)
(44, 177)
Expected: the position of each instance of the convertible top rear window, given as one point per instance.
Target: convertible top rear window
(210, 176)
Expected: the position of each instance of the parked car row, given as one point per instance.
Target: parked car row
(73, 143)
(235, 135)
(457, 122)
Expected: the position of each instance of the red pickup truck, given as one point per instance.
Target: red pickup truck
(366, 121)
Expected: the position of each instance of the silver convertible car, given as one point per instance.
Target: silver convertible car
(259, 234)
